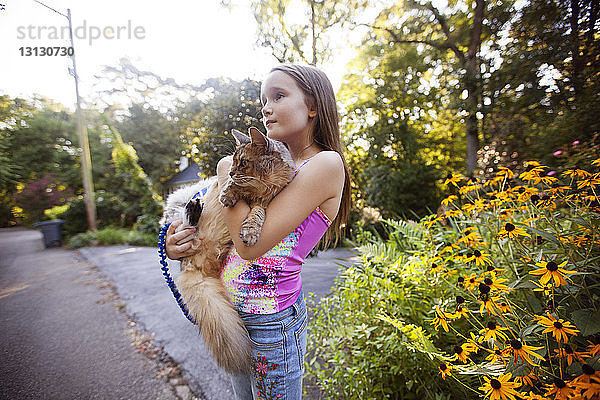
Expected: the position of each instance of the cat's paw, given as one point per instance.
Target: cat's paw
(249, 234)
(226, 200)
(193, 210)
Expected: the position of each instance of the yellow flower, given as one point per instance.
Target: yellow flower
(495, 356)
(493, 331)
(567, 352)
(578, 173)
(453, 179)
(505, 173)
(559, 328)
(488, 303)
(481, 258)
(441, 318)
(593, 349)
(512, 231)
(500, 389)
(587, 378)
(463, 351)
(445, 369)
(550, 270)
(503, 307)
(594, 180)
(461, 311)
(496, 284)
(471, 282)
(469, 188)
(449, 199)
(526, 379)
(522, 351)
(560, 390)
(547, 288)
(471, 238)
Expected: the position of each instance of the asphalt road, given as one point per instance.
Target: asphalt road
(60, 340)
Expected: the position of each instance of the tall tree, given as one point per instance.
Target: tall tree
(205, 125)
(300, 30)
(545, 93)
(156, 138)
(458, 33)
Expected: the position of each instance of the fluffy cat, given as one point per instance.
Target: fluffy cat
(261, 168)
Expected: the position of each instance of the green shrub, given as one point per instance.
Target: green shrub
(82, 240)
(136, 238)
(109, 236)
(148, 224)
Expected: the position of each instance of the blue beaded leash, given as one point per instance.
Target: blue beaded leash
(165, 269)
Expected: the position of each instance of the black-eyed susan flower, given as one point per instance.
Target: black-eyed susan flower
(522, 351)
(593, 349)
(450, 199)
(528, 379)
(559, 390)
(493, 331)
(504, 172)
(577, 173)
(559, 328)
(496, 283)
(500, 388)
(512, 231)
(503, 307)
(481, 258)
(533, 396)
(445, 370)
(453, 179)
(437, 268)
(550, 270)
(463, 351)
(496, 355)
(547, 288)
(566, 351)
(471, 282)
(461, 311)
(441, 318)
(588, 377)
(487, 302)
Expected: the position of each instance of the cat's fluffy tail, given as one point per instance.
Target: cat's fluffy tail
(222, 328)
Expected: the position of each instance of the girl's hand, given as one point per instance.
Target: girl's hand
(178, 244)
(223, 169)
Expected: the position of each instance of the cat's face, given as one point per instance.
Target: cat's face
(259, 156)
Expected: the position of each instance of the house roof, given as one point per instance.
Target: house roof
(190, 174)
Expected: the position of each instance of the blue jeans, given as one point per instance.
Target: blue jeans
(278, 344)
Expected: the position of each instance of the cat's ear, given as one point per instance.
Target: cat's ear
(240, 138)
(258, 137)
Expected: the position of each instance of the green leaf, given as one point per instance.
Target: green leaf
(543, 234)
(587, 321)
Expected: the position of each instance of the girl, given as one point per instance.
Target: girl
(263, 280)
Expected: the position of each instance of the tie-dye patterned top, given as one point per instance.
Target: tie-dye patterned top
(272, 282)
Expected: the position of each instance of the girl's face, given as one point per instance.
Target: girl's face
(286, 116)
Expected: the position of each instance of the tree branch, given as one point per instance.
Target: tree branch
(446, 45)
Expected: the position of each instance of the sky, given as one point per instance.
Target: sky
(189, 41)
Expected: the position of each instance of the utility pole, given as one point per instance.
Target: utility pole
(86, 159)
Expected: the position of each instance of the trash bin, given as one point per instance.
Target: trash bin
(52, 231)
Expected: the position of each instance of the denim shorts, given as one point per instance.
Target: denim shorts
(278, 344)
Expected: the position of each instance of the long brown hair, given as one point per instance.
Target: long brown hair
(318, 92)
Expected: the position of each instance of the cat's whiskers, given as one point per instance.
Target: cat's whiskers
(245, 179)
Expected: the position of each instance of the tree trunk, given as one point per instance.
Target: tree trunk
(472, 84)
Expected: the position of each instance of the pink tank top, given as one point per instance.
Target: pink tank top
(272, 282)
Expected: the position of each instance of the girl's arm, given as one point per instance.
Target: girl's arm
(321, 179)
